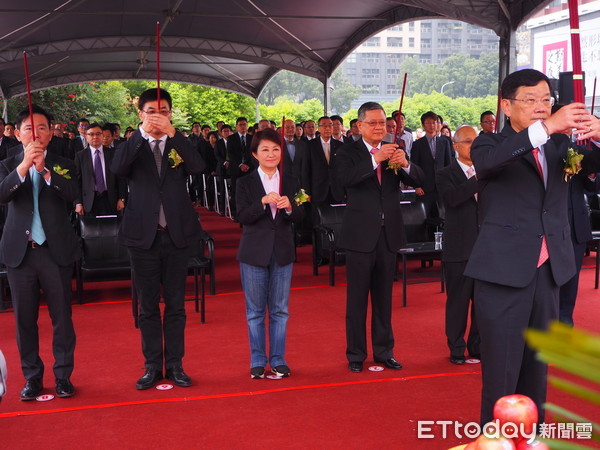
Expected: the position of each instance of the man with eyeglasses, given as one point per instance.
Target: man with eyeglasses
(523, 252)
(487, 120)
(309, 130)
(159, 227)
(457, 186)
(372, 232)
(318, 166)
(431, 153)
(241, 161)
(101, 193)
(5, 141)
(78, 143)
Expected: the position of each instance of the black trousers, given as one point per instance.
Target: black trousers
(164, 265)
(102, 206)
(508, 365)
(459, 293)
(370, 273)
(38, 270)
(568, 291)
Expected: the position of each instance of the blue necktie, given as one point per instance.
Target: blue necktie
(37, 230)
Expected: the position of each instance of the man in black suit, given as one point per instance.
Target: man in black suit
(309, 131)
(318, 167)
(159, 226)
(78, 143)
(109, 130)
(430, 153)
(354, 130)
(457, 186)
(240, 160)
(223, 162)
(523, 252)
(117, 139)
(9, 130)
(101, 192)
(338, 130)
(5, 142)
(39, 247)
(294, 152)
(372, 232)
(581, 234)
(487, 120)
(59, 145)
(198, 138)
(196, 134)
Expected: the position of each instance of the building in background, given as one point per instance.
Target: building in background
(544, 43)
(375, 64)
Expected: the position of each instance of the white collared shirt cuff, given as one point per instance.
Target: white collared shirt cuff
(537, 134)
(407, 169)
(375, 164)
(23, 178)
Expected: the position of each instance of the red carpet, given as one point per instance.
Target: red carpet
(321, 404)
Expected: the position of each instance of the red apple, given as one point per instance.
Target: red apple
(536, 445)
(485, 443)
(517, 409)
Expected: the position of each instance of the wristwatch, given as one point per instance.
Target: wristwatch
(43, 172)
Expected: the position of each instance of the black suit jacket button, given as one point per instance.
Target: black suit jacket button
(540, 236)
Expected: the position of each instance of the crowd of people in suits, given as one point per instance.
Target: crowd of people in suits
(514, 231)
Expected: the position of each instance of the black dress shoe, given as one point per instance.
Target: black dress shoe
(149, 379)
(32, 389)
(64, 388)
(390, 363)
(178, 377)
(355, 366)
(457, 361)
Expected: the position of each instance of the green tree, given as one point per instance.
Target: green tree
(456, 111)
(210, 105)
(310, 109)
(344, 92)
(291, 84)
(300, 87)
(470, 77)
